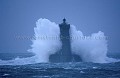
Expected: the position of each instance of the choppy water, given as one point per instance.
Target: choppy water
(61, 70)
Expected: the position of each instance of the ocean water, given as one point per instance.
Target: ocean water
(12, 55)
(61, 70)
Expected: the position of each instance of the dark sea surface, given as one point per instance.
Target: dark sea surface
(57, 70)
(61, 70)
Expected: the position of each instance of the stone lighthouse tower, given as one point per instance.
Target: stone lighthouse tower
(65, 39)
(64, 55)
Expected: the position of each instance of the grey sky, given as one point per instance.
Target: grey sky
(18, 17)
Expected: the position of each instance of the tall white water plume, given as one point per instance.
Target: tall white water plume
(46, 41)
(90, 48)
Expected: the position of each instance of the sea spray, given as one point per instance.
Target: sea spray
(47, 40)
(90, 48)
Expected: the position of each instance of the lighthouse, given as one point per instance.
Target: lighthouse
(65, 51)
(65, 54)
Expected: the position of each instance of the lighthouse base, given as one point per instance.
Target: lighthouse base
(56, 58)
